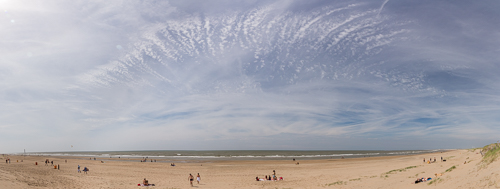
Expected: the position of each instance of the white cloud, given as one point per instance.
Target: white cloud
(243, 76)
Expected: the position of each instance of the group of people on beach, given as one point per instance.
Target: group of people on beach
(85, 169)
(422, 180)
(191, 178)
(8, 160)
(269, 178)
(47, 162)
(431, 161)
(146, 160)
(145, 182)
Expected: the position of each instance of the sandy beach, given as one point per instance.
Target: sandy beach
(373, 172)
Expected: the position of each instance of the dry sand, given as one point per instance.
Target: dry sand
(374, 172)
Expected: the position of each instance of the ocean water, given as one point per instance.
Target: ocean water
(235, 154)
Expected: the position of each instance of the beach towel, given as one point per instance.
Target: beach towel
(147, 185)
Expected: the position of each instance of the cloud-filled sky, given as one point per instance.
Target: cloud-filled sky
(248, 75)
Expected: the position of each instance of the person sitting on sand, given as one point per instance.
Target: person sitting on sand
(146, 183)
(85, 170)
(418, 180)
(257, 178)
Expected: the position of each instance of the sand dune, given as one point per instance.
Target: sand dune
(376, 172)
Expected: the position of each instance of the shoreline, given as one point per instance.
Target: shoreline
(99, 155)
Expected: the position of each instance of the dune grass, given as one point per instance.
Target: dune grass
(400, 170)
(450, 169)
(491, 153)
(435, 181)
(337, 183)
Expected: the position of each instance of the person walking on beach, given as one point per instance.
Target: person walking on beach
(198, 178)
(191, 178)
(79, 169)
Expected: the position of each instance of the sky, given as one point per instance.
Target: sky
(91, 75)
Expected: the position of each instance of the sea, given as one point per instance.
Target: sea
(232, 154)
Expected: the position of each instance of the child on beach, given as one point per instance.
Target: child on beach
(198, 178)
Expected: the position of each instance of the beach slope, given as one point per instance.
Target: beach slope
(462, 169)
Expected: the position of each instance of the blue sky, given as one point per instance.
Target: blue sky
(247, 75)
